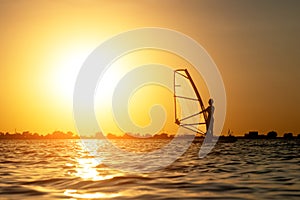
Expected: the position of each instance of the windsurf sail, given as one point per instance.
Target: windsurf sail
(189, 107)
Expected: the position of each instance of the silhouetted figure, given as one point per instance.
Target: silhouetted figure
(210, 119)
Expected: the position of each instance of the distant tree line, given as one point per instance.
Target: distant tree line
(137, 136)
(70, 135)
(28, 135)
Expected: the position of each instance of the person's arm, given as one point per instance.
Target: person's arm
(205, 110)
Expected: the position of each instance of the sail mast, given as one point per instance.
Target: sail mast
(198, 96)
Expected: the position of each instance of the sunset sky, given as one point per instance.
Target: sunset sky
(254, 43)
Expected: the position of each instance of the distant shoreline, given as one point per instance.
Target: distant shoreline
(164, 136)
(69, 135)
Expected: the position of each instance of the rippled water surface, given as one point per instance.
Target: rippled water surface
(62, 169)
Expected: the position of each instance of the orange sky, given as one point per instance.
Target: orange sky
(255, 44)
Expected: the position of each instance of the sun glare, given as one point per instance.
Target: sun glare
(65, 71)
(142, 100)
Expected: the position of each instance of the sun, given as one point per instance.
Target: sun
(65, 68)
(66, 76)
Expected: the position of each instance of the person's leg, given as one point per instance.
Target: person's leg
(209, 135)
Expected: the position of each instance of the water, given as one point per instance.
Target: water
(62, 169)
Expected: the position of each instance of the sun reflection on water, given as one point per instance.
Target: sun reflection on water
(87, 170)
(96, 195)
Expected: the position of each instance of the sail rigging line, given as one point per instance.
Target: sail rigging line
(188, 117)
(187, 98)
(190, 126)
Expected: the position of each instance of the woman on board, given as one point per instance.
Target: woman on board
(210, 119)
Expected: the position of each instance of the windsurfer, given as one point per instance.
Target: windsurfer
(210, 118)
